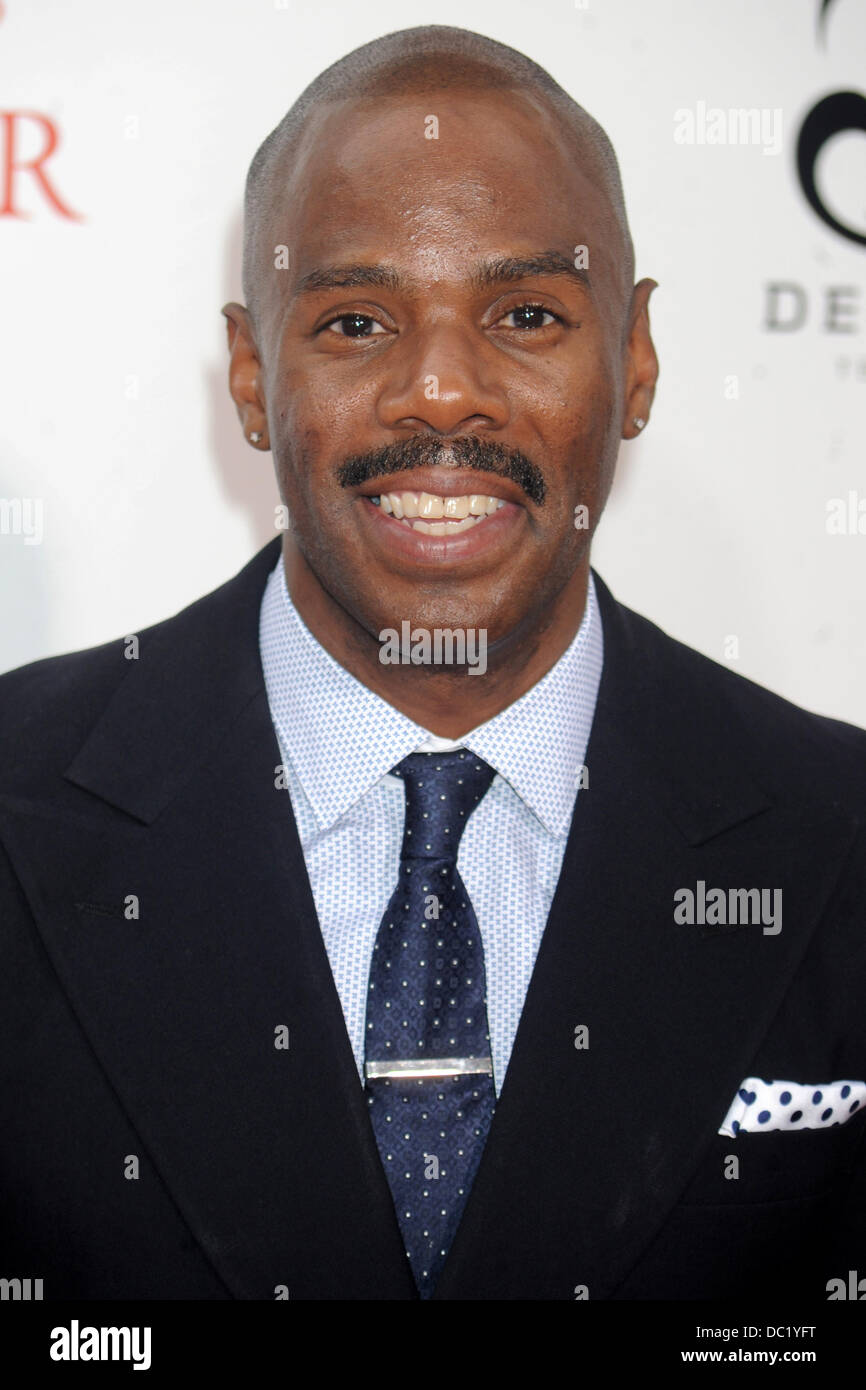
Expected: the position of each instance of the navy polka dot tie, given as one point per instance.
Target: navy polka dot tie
(429, 1075)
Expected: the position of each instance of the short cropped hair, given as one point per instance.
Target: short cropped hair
(425, 59)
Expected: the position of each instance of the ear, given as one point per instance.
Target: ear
(245, 374)
(641, 363)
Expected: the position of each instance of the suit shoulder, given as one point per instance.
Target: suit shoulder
(48, 707)
(68, 690)
(782, 743)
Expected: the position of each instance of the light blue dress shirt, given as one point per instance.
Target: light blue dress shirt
(338, 742)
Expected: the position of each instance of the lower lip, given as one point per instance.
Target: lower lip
(495, 530)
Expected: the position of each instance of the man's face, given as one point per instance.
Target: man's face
(425, 323)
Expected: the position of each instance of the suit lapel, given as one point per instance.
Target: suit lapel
(590, 1147)
(267, 1151)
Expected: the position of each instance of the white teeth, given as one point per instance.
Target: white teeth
(410, 503)
(445, 528)
(430, 507)
(439, 516)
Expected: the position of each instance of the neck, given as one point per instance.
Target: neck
(447, 700)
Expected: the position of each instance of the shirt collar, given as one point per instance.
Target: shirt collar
(342, 737)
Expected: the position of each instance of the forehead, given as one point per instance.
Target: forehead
(432, 173)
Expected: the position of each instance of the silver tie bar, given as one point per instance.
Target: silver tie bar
(421, 1067)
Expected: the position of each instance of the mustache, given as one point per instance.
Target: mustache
(426, 451)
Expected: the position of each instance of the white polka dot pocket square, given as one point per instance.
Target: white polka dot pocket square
(764, 1105)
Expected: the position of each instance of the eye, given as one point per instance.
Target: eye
(354, 326)
(531, 316)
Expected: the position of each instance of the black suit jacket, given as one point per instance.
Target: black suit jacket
(152, 1038)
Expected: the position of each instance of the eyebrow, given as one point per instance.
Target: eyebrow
(500, 271)
(510, 268)
(350, 277)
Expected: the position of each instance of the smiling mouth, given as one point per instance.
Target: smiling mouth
(435, 515)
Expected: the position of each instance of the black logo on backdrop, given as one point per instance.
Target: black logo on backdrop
(833, 114)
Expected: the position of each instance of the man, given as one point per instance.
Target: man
(408, 918)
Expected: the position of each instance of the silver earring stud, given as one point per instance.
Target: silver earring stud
(256, 436)
(638, 422)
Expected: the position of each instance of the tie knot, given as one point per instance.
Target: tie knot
(442, 791)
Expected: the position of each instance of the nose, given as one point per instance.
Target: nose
(444, 381)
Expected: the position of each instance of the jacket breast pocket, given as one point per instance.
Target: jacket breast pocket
(777, 1166)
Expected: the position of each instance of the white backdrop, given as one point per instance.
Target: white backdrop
(117, 428)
